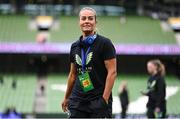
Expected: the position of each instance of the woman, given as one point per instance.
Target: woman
(92, 72)
(156, 90)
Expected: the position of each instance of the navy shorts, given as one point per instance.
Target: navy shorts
(97, 108)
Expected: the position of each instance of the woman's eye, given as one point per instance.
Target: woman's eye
(91, 18)
(83, 18)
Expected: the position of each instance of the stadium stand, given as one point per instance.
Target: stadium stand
(133, 26)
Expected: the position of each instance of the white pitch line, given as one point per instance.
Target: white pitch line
(136, 107)
(177, 36)
(59, 87)
(139, 106)
(165, 26)
(171, 90)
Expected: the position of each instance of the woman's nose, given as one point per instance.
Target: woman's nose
(87, 20)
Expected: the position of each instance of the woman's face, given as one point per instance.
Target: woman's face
(151, 68)
(87, 21)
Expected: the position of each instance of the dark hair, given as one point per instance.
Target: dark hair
(160, 66)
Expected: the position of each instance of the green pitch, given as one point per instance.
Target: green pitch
(23, 97)
(135, 85)
(136, 30)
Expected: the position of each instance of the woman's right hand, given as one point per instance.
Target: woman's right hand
(64, 105)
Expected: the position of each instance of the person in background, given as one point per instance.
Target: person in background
(156, 90)
(124, 98)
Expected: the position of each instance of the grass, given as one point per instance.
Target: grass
(55, 97)
(23, 97)
(137, 30)
(138, 83)
(135, 85)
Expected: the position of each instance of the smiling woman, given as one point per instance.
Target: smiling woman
(92, 72)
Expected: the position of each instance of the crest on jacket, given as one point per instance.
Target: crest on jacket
(79, 60)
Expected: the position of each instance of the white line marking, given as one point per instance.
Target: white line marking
(136, 107)
(177, 36)
(165, 26)
(139, 106)
(59, 87)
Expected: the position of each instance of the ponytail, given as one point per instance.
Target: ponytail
(162, 69)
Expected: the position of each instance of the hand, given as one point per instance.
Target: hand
(157, 109)
(106, 99)
(143, 92)
(64, 105)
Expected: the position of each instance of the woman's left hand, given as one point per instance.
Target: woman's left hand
(157, 109)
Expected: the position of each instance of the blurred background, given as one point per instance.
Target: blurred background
(35, 40)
